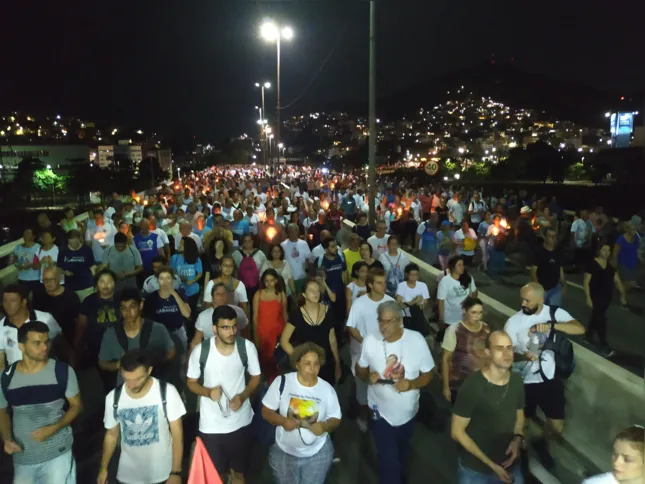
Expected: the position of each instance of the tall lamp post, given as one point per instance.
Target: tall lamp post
(273, 32)
(263, 86)
(373, 135)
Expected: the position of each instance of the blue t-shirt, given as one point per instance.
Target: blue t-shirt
(240, 229)
(79, 263)
(147, 248)
(164, 311)
(349, 205)
(482, 229)
(628, 255)
(187, 272)
(27, 255)
(334, 269)
(429, 238)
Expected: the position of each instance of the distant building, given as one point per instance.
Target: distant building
(107, 153)
(56, 156)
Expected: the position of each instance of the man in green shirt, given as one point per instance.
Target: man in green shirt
(488, 418)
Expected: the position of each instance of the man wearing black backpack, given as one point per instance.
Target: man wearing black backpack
(544, 359)
(217, 372)
(134, 332)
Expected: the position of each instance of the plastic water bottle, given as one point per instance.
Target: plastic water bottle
(534, 344)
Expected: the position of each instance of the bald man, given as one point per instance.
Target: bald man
(488, 418)
(529, 328)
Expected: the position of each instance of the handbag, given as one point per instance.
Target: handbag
(281, 359)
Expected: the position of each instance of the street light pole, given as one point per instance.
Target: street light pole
(278, 97)
(372, 117)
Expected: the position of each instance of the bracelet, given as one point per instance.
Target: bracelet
(175, 473)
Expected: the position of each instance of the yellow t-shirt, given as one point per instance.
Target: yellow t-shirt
(351, 258)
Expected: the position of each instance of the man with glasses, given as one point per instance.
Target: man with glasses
(396, 364)
(216, 373)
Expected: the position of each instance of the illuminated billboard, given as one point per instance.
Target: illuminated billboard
(621, 127)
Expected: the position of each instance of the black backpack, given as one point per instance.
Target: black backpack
(562, 351)
(205, 349)
(144, 335)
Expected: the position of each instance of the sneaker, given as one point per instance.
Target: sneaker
(362, 425)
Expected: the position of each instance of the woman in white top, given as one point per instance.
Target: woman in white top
(236, 288)
(452, 290)
(628, 459)
(466, 240)
(305, 409)
(412, 293)
(276, 261)
(358, 286)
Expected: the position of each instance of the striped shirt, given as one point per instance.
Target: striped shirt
(47, 410)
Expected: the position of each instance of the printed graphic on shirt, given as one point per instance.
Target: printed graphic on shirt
(460, 291)
(106, 315)
(394, 368)
(140, 425)
(294, 252)
(305, 410)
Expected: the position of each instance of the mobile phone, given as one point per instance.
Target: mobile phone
(385, 381)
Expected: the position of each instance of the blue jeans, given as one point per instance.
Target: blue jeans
(553, 297)
(469, 476)
(59, 470)
(392, 447)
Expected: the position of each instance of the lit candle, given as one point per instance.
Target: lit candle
(271, 233)
(495, 231)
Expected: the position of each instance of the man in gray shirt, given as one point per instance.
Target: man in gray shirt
(125, 260)
(40, 437)
(135, 332)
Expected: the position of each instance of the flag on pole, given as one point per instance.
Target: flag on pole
(202, 470)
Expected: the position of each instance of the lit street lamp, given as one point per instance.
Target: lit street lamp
(272, 32)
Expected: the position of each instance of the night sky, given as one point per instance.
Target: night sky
(188, 67)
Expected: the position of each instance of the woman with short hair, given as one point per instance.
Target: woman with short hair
(305, 409)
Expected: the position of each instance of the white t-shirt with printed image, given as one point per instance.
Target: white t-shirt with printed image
(379, 246)
(296, 254)
(309, 404)
(228, 373)
(146, 442)
(453, 294)
(48, 259)
(406, 358)
(364, 318)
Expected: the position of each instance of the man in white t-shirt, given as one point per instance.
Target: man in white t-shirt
(529, 329)
(379, 240)
(15, 306)
(219, 380)
(362, 321)
(144, 415)
(455, 209)
(396, 364)
(204, 323)
(297, 254)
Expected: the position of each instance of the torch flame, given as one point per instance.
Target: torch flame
(504, 223)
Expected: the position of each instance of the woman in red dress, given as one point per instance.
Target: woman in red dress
(269, 316)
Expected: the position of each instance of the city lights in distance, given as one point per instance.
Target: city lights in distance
(287, 33)
(607, 115)
(139, 132)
